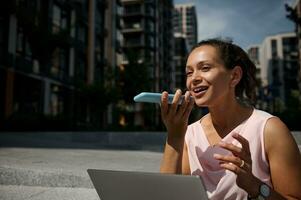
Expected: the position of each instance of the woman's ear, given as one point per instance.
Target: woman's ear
(236, 75)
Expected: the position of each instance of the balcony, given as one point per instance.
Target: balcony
(133, 44)
(132, 28)
(131, 1)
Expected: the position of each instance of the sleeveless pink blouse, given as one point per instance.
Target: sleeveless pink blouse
(220, 183)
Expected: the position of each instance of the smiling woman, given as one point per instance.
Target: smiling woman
(239, 151)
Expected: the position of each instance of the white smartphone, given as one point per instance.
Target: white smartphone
(150, 97)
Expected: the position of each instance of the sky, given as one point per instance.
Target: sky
(247, 22)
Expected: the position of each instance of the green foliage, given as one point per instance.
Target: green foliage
(291, 115)
(135, 78)
(98, 96)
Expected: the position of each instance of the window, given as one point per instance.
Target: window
(81, 34)
(59, 63)
(56, 18)
(149, 10)
(20, 39)
(274, 48)
(56, 101)
(60, 19)
(150, 26)
(22, 44)
(132, 9)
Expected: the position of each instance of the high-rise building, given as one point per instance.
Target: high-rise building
(47, 50)
(254, 54)
(185, 34)
(279, 64)
(147, 46)
(185, 22)
(112, 52)
(181, 52)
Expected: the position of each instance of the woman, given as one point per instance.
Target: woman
(240, 152)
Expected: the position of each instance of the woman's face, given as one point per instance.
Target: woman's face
(208, 80)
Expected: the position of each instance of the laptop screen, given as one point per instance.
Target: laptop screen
(125, 185)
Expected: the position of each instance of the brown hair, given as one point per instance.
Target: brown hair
(232, 55)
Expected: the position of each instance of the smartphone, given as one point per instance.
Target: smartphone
(150, 97)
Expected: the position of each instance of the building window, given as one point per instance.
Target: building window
(133, 24)
(20, 39)
(59, 63)
(23, 47)
(81, 34)
(149, 10)
(1, 39)
(56, 101)
(59, 19)
(274, 48)
(56, 18)
(132, 9)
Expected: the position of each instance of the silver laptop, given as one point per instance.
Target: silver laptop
(124, 185)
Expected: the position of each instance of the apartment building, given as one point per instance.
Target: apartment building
(48, 50)
(113, 56)
(185, 34)
(181, 52)
(147, 45)
(254, 54)
(279, 64)
(185, 22)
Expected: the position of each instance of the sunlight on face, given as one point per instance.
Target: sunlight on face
(207, 78)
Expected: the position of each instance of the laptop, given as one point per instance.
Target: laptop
(126, 185)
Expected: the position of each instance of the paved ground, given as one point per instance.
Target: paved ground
(41, 169)
(33, 173)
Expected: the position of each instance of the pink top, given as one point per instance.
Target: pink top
(220, 183)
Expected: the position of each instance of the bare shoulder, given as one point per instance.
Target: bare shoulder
(277, 134)
(284, 158)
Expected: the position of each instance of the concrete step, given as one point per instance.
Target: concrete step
(15, 192)
(68, 167)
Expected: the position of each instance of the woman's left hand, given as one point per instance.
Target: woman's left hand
(239, 162)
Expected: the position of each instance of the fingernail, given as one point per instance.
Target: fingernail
(217, 156)
(221, 143)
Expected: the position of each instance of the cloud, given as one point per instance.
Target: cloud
(247, 22)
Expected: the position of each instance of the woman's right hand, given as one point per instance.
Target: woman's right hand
(175, 116)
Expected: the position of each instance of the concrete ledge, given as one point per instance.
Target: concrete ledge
(153, 141)
(43, 178)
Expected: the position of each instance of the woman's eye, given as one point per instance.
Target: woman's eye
(188, 73)
(205, 68)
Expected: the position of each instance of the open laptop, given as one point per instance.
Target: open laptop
(125, 185)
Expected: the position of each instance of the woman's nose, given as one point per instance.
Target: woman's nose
(196, 77)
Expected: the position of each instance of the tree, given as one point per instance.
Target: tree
(133, 78)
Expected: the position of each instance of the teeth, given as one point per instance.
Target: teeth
(199, 89)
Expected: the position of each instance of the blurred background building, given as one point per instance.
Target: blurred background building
(278, 67)
(185, 22)
(45, 60)
(76, 65)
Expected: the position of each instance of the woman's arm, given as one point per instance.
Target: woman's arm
(172, 157)
(284, 159)
(175, 159)
(175, 118)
